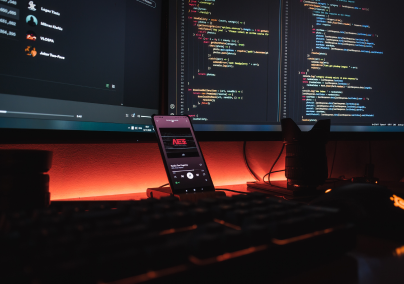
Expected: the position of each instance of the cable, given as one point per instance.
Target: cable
(270, 171)
(333, 159)
(225, 189)
(246, 162)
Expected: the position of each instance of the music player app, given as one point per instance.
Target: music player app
(183, 159)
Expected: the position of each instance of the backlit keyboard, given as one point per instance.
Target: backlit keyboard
(160, 241)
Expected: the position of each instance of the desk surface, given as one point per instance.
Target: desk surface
(396, 187)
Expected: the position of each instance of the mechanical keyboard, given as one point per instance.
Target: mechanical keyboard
(242, 238)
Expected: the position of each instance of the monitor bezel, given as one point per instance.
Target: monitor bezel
(277, 136)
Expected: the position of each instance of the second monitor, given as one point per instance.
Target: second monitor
(245, 65)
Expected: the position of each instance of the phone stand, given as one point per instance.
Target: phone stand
(191, 197)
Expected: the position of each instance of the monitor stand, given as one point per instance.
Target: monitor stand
(191, 197)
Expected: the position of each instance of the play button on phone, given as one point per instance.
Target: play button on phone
(190, 175)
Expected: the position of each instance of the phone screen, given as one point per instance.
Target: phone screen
(185, 166)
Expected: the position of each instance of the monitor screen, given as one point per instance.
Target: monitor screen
(238, 65)
(80, 65)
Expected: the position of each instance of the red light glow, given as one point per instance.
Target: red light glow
(93, 170)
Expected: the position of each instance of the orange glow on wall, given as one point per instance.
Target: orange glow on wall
(398, 201)
(87, 170)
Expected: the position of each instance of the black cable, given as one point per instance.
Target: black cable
(278, 171)
(270, 171)
(267, 174)
(246, 162)
(225, 189)
(333, 159)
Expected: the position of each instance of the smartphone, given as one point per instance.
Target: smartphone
(183, 160)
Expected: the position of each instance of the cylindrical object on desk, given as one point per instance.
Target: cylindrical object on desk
(23, 182)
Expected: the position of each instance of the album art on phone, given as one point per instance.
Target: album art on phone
(178, 142)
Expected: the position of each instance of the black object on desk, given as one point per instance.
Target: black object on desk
(24, 183)
(375, 209)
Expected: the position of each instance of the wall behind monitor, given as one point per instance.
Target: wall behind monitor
(84, 170)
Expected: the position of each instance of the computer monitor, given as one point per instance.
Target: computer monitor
(238, 67)
(80, 69)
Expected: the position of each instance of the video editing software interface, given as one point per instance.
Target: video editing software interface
(245, 65)
(92, 65)
(184, 162)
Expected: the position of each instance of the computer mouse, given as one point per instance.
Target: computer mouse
(374, 209)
